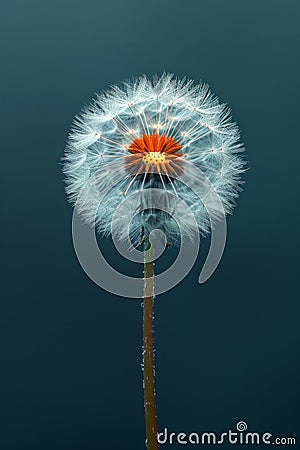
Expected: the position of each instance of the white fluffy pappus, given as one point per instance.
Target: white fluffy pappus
(153, 133)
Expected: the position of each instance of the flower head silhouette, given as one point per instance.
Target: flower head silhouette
(148, 134)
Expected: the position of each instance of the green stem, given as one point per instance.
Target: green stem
(148, 351)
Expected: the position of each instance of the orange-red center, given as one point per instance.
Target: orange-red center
(154, 152)
(154, 143)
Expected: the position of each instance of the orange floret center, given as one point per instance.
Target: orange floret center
(154, 143)
(154, 153)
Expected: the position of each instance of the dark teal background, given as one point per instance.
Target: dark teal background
(227, 350)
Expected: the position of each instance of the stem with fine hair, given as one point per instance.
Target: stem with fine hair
(148, 350)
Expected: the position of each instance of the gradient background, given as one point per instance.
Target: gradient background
(227, 350)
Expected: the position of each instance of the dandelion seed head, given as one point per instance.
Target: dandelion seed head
(148, 133)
